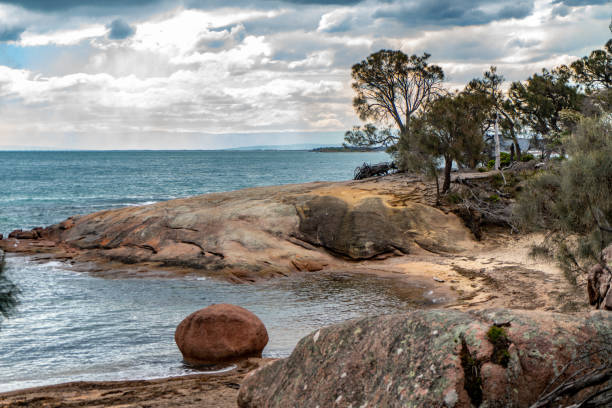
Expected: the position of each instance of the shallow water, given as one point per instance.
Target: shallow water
(72, 326)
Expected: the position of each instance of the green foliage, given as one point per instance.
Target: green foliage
(572, 200)
(498, 337)
(504, 159)
(390, 87)
(8, 294)
(493, 198)
(594, 71)
(449, 129)
(527, 157)
(370, 135)
(539, 102)
(495, 106)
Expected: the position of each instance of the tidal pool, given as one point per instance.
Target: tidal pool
(73, 326)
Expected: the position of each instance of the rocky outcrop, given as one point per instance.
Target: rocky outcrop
(599, 282)
(440, 358)
(261, 232)
(220, 333)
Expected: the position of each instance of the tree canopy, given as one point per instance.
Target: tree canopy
(390, 88)
(450, 129)
(540, 100)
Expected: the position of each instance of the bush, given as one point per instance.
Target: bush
(504, 159)
(572, 200)
(527, 157)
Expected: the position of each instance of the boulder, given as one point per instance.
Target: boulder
(435, 358)
(220, 333)
(20, 234)
(599, 282)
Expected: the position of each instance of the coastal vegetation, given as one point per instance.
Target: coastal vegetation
(566, 113)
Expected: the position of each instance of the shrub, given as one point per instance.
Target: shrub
(504, 159)
(572, 201)
(527, 157)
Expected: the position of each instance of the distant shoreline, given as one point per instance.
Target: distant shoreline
(345, 149)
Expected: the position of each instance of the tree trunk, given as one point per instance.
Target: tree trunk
(517, 147)
(497, 146)
(448, 164)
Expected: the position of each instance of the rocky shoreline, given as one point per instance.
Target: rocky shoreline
(385, 226)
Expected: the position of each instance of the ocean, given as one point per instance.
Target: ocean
(72, 326)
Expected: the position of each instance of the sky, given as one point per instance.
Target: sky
(194, 74)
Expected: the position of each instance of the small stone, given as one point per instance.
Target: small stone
(438, 279)
(451, 398)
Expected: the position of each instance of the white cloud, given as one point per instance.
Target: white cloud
(230, 70)
(64, 37)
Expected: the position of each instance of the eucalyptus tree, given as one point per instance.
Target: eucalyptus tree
(498, 112)
(594, 71)
(540, 101)
(390, 88)
(449, 129)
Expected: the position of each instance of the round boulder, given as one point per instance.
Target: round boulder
(219, 334)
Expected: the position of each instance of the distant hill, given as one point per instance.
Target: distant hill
(348, 149)
(300, 146)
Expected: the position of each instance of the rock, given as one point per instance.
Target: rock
(20, 234)
(370, 227)
(259, 232)
(599, 282)
(220, 333)
(394, 361)
(307, 265)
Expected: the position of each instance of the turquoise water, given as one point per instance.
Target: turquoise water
(72, 326)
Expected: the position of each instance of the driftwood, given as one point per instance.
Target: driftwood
(584, 376)
(477, 212)
(372, 170)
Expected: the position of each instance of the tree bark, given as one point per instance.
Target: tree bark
(497, 146)
(448, 164)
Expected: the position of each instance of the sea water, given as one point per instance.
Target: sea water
(72, 326)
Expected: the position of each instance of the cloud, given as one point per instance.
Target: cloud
(336, 21)
(62, 37)
(457, 12)
(202, 67)
(61, 5)
(119, 30)
(10, 33)
(579, 3)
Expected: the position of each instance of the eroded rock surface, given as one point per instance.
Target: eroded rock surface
(260, 232)
(599, 282)
(436, 358)
(220, 333)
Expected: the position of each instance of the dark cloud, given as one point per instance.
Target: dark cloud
(561, 10)
(10, 33)
(330, 2)
(458, 12)
(60, 5)
(578, 3)
(119, 30)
